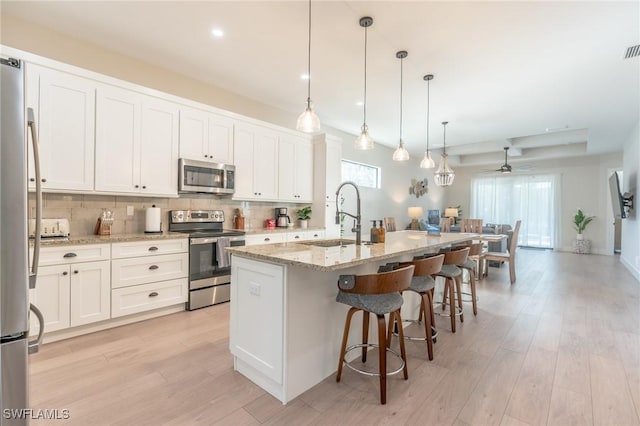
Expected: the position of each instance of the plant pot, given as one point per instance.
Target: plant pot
(303, 224)
(580, 237)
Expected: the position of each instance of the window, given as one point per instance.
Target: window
(532, 199)
(361, 174)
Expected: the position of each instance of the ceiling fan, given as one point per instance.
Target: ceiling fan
(506, 167)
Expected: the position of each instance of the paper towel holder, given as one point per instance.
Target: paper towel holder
(146, 225)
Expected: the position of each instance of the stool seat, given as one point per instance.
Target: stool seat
(422, 284)
(449, 271)
(469, 264)
(378, 304)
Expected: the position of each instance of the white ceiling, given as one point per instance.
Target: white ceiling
(505, 72)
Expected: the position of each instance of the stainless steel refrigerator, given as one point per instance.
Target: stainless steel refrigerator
(17, 270)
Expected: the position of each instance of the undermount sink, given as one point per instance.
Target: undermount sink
(328, 243)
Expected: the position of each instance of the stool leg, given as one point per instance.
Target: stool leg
(426, 309)
(458, 282)
(403, 352)
(382, 350)
(445, 293)
(452, 303)
(433, 314)
(393, 324)
(345, 336)
(472, 282)
(365, 334)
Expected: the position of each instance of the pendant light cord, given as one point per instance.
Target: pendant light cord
(401, 61)
(309, 62)
(365, 77)
(444, 138)
(428, 85)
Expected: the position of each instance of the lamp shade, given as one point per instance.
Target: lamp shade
(449, 212)
(415, 212)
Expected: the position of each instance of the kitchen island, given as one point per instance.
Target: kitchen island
(286, 326)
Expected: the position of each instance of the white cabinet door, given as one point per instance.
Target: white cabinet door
(304, 170)
(51, 296)
(90, 292)
(205, 136)
(194, 134)
(287, 169)
(243, 156)
(220, 139)
(159, 147)
(117, 140)
(64, 105)
(265, 164)
(257, 316)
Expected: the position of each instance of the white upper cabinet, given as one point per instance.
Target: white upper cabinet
(205, 136)
(136, 143)
(295, 166)
(64, 107)
(256, 161)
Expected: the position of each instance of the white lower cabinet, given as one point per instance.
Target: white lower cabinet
(257, 316)
(144, 278)
(305, 235)
(284, 237)
(72, 295)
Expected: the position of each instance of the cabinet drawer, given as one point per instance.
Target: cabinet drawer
(252, 240)
(304, 235)
(139, 298)
(142, 270)
(149, 248)
(73, 254)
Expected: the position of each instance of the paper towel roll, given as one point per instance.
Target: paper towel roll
(152, 220)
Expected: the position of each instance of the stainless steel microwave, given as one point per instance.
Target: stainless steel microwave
(207, 178)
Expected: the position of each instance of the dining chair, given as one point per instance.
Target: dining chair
(390, 224)
(445, 225)
(510, 256)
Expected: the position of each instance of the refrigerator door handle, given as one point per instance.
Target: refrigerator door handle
(34, 345)
(31, 122)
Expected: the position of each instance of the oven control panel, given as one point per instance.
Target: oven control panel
(189, 216)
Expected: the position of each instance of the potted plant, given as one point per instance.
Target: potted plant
(304, 214)
(580, 222)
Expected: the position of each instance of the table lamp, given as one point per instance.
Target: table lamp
(415, 213)
(451, 213)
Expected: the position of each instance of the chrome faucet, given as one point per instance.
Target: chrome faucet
(357, 228)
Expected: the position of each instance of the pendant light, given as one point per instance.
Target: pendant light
(427, 162)
(364, 141)
(401, 153)
(308, 121)
(444, 175)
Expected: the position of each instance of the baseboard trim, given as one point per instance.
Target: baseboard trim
(633, 270)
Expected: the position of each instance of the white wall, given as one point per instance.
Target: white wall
(584, 184)
(630, 255)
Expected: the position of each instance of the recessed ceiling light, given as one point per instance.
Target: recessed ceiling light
(217, 33)
(305, 76)
(555, 129)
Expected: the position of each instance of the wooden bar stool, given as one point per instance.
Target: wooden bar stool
(453, 283)
(471, 264)
(377, 294)
(423, 284)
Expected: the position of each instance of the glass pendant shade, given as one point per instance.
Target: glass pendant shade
(364, 141)
(427, 162)
(308, 121)
(444, 175)
(401, 153)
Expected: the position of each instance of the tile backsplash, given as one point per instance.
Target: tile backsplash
(83, 211)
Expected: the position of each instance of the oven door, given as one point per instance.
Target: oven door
(203, 177)
(204, 269)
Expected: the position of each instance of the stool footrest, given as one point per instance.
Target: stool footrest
(368, 373)
(446, 314)
(434, 332)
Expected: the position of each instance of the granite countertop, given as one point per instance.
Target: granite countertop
(341, 257)
(280, 230)
(107, 239)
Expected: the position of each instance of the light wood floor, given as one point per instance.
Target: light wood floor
(560, 347)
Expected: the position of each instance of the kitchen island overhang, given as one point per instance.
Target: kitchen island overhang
(286, 326)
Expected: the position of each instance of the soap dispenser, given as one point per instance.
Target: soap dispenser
(381, 233)
(375, 235)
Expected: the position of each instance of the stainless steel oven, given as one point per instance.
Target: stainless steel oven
(203, 177)
(209, 263)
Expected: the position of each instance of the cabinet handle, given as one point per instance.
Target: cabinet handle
(65, 273)
(136, 186)
(297, 236)
(153, 248)
(206, 156)
(70, 255)
(153, 267)
(75, 272)
(267, 239)
(144, 187)
(315, 235)
(32, 179)
(44, 180)
(153, 294)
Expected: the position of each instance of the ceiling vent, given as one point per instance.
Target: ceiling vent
(632, 51)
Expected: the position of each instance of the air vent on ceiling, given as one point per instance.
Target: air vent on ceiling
(632, 51)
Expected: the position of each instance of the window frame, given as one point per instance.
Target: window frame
(378, 172)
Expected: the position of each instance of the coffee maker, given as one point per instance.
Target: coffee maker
(282, 220)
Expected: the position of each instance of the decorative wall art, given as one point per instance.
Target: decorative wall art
(418, 187)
